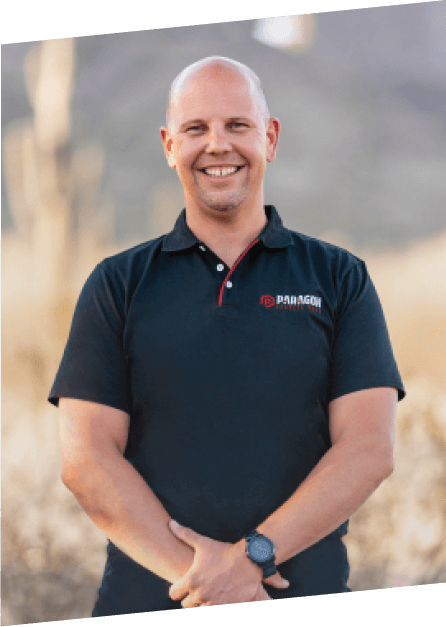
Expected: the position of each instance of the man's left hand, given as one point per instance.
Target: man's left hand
(221, 572)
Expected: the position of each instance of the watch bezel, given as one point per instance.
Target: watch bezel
(269, 543)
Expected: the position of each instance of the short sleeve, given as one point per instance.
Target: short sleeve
(362, 356)
(93, 365)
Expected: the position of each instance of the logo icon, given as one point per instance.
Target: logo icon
(267, 300)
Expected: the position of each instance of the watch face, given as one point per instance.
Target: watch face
(261, 549)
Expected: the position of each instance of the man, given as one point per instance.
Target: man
(231, 376)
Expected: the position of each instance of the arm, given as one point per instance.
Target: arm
(362, 429)
(112, 493)
(115, 496)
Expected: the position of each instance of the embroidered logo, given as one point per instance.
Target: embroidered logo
(296, 303)
(267, 300)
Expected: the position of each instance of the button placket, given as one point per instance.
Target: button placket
(227, 283)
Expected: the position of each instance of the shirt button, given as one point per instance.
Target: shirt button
(228, 284)
(202, 248)
(220, 267)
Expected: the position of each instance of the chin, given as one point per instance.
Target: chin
(222, 208)
(224, 205)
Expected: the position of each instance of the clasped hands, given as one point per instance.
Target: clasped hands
(221, 573)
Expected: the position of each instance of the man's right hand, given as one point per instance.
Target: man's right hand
(220, 574)
(260, 595)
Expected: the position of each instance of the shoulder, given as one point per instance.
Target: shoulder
(114, 280)
(125, 261)
(125, 269)
(324, 255)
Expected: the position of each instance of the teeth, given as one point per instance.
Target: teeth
(220, 171)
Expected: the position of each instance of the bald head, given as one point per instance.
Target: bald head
(217, 64)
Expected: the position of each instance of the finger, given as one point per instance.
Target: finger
(189, 536)
(187, 602)
(261, 595)
(194, 604)
(180, 588)
(277, 581)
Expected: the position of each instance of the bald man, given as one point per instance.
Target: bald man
(227, 393)
(229, 210)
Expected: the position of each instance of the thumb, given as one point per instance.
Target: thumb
(189, 536)
(277, 581)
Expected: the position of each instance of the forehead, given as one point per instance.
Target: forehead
(214, 91)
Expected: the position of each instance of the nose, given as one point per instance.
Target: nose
(217, 140)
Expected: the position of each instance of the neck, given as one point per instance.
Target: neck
(227, 234)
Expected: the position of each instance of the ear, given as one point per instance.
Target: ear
(272, 138)
(166, 138)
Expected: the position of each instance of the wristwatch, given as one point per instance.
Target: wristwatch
(260, 550)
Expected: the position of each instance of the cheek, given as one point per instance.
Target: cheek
(186, 159)
(256, 153)
(179, 149)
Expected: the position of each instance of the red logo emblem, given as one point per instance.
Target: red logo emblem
(267, 300)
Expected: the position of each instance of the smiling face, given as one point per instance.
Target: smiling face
(219, 141)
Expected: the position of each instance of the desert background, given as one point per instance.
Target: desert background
(361, 96)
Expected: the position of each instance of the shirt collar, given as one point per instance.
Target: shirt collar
(274, 235)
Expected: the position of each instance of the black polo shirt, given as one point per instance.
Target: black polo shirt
(226, 375)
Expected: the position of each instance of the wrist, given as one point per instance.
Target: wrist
(260, 550)
(243, 561)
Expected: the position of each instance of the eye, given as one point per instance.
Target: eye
(238, 124)
(195, 128)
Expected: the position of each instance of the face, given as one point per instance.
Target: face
(218, 141)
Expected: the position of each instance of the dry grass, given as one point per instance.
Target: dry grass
(52, 556)
(399, 536)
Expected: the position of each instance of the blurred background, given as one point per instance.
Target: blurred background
(361, 96)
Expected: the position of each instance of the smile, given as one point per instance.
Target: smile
(221, 171)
